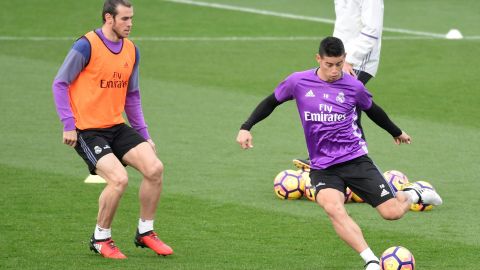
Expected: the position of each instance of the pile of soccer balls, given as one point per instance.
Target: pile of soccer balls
(292, 185)
(398, 181)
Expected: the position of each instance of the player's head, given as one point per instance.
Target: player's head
(330, 58)
(118, 15)
(331, 47)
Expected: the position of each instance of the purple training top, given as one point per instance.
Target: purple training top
(328, 114)
(74, 63)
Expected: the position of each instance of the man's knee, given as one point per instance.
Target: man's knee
(392, 214)
(119, 182)
(154, 172)
(332, 202)
(333, 209)
(391, 210)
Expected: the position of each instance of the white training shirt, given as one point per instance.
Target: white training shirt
(359, 24)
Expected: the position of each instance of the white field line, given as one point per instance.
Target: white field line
(219, 39)
(253, 10)
(414, 35)
(297, 17)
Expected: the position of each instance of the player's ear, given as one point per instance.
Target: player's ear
(318, 58)
(108, 18)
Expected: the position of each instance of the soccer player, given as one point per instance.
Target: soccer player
(327, 101)
(359, 24)
(97, 82)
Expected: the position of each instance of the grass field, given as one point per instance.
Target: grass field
(203, 70)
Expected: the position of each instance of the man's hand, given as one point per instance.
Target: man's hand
(152, 144)
(403, 138)
(347, 68)
(245, 139)
(70, 138)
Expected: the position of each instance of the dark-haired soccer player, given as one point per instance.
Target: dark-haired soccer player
(97, 82)
(327, 101)
(359, 24)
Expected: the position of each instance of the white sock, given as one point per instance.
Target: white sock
(102, 233)
(145, 225)
(367, 255)
(412, 195)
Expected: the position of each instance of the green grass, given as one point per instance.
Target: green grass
(218, 210)
(49, 231)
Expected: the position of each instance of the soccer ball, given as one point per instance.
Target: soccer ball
(309, 188)
(395, 179)
(397, 258)
(288, 184)
(418, 207)
(349, 195)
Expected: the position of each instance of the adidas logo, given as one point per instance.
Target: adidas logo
(384, 193)
(98, 247)
(125, 65)
(320, 184)
(310, 93)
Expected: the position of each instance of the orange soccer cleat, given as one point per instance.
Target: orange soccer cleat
(106, 248)
(150, 240)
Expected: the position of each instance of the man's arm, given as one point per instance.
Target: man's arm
(262, 111)
(379, 117)
(133, 103)
(76, 60)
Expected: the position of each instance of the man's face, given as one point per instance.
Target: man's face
(122, 22)
(330, 67)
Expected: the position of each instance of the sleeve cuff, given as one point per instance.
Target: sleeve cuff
(68, 124)
(144, 133)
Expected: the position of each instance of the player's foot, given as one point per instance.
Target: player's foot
(425, 195)
(372, 265)
(151, 241)
(106, 248)
(303, 164)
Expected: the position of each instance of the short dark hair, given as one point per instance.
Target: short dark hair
(110, 7)
(331, 47)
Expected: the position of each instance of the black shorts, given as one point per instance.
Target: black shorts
(360, 175)
(93, 144)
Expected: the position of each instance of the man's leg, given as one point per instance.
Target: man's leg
(396, 207)
(110, 168)
(332, 201)
(143, 158)
(363, 76)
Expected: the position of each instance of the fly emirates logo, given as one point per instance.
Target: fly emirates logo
(324, 115)
(115, 82)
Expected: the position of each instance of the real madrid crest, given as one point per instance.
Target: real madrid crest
(340, 97)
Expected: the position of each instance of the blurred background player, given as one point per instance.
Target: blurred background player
(97, 82)
(359, 24)
(327, 100)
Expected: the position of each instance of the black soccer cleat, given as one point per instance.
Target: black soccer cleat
(372, 265)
